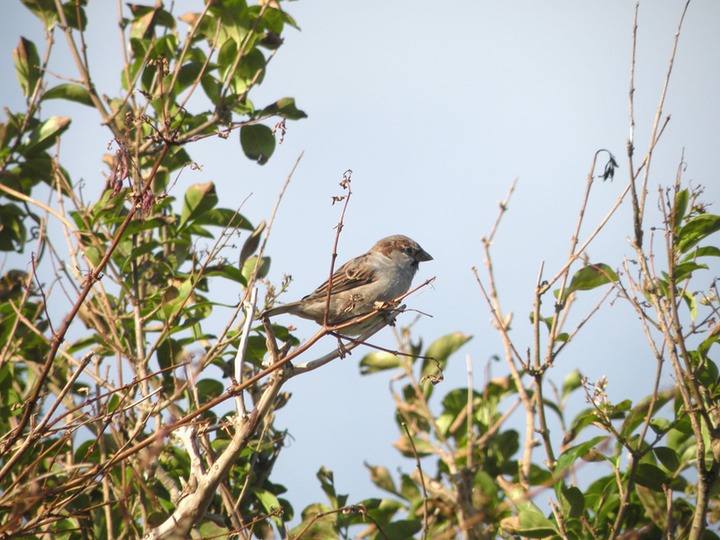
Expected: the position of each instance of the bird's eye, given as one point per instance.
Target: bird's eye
(409, 250)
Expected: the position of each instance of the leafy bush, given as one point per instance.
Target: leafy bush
(111, 426)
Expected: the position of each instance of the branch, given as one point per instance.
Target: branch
(345, 184)
(58, 338)
(191, 508)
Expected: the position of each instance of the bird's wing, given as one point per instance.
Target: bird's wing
(350, 275)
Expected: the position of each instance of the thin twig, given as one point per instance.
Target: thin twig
(422, 479)
(58, 338)
(503, 206)
(250, 308)
(469, 413)
(220, 343)
(654, 134)
(345, 184)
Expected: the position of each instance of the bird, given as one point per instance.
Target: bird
(361, 285)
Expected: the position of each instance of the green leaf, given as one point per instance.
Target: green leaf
(45, 135)
(94, 255)
(327, 483)
(422, 447)
(380, 476)
(43, 10)
(156, 222)
(651, 476)
(207, 529)
(402, 529)
(250, 72)
(589, 277)
(70, 92)
(224, 217)
(685, 270)
(249, 267)
(695, 230)
(408, 489)
(602, 496)
(660, 425)
(703, 251)
(568, 458)
(713, 337)
(654, 505)
(73, 9)
(227, 271)
(13, 232)
(668, 457)
(209, 389)
(268, 500)
(188, 74)
(454, 404)
(572, 382)
(707, 374)
(529, 522)
(174, 298)
(274, 18)
(258, 142)
(681, 203)
(315, 528)
(617, 411)
(440, 350)
(199, 199)
(252, 243)
(381, 511)
(691, 303)
(547, 321)
(146, 18)
(27, 66)
(113, 403)
(234, 17)
(639, 412)
(378, 361)
(211, 87)
(580, 422)
(284, 107)
(572, 501)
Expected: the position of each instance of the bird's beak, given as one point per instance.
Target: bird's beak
(423, 256)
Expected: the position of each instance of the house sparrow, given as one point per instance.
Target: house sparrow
(361, 285)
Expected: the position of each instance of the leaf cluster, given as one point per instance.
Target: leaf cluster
(87, 396)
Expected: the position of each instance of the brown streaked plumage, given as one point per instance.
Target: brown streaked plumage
(382, 274)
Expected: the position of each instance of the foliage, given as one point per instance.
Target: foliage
(88, 414)
(476, 476)
(112, 427)
(485, 480)
(660, 452)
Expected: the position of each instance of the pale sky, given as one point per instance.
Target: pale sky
(437, 108)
